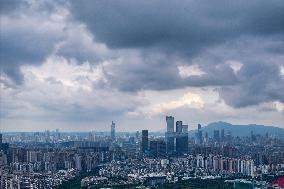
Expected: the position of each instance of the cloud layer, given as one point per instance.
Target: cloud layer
(95, 60)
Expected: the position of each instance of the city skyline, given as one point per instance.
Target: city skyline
(143, 159)
(77, 66)
(141, 94)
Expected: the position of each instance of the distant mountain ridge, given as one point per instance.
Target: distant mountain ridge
(241, 130)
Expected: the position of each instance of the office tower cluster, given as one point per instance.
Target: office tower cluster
(175, 142)
(220, 136)
(154, 147)
(176, 139)
(157, 148)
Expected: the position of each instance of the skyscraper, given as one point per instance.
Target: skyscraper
(92, 136)
(170, 124)
(179, 126)
(199, 137)
(185, 128)
(222, 135)
(170, 135)
(144, 141)
(112, 130)
(137, 135)
(1, 139)
(206, 139)
(182, 139)
(216, 135)
(158, 148)
(252, 136)
(199, 127)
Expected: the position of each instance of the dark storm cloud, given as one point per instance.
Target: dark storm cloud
(28, 33)
(220, 75)
(160, 72)
(22, 47)
(187, 26)
(33, 30)
(188, 30)
(164, 33)
(7, 48)
(259, 82)
(23, 39)
(145, 72)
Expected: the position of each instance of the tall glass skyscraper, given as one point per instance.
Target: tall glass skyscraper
(181, 138)
(179, 126)
(145, 141)
(112, 130)
(170, 134)
(170, 124)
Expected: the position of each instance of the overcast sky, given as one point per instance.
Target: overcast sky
(78, 65)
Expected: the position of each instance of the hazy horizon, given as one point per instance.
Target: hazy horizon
(120, 128)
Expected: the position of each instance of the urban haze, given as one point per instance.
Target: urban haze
(141, 94)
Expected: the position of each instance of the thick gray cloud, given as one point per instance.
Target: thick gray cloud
(259, 82)
(139, 46)
(22, 47)
(187, 26)
(31, 31)
(188, 30)
(27, 35)
(156, 71)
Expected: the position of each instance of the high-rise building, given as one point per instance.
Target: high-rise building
(252, 136)
(182, 143)
(112, 130)
(170, 135)
(179, 127)
(170, 124)
(145, 140)
(137, 135)
(199, 137)
(229, 137)
(158, 148)
(78, 162)
(222, 135)
(185, 128)
(206, 139)
(92, 136)
(199, 127)
(170, 141)
(1, 139)
(182, 139)
(216, 135)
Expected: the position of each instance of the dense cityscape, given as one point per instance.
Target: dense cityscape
(54, 159)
